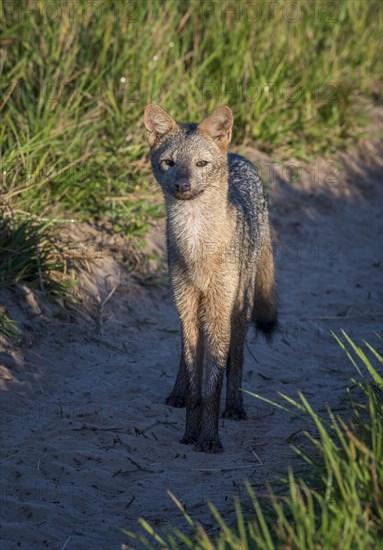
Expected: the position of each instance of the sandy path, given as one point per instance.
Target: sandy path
(88, 444)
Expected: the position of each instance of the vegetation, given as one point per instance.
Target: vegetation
(29, 255)
(77, 75)
(339, 502)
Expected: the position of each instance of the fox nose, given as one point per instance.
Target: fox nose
(182, 186)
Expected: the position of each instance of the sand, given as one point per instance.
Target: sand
(88, 444)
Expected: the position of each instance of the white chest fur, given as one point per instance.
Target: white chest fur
(191, 228)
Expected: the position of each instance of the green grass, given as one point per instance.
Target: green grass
(75, 77)
(29, 255)
(8, 327)
(337, 503)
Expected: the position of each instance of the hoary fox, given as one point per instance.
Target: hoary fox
(220, 262)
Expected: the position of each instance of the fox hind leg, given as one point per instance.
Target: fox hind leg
(177, 397)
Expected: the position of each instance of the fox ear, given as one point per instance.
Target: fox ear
(158, 123)
(218, 125)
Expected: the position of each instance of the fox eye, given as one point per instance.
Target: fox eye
(201, 163)
(167, 162)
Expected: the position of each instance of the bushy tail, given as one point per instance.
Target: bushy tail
(265, 302)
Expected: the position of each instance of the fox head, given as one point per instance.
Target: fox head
(187, 159)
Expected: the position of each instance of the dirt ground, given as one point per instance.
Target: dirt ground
(88, 444)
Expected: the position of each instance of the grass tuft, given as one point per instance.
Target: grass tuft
(29, 255)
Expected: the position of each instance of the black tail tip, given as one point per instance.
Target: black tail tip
(268, 328)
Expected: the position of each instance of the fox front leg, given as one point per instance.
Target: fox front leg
(217, 327)
(208, 440)
(190, 372)
(193, 354)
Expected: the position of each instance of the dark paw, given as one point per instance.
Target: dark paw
(234, 413)
(175, 401)
(188, 440)
(209, 446)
